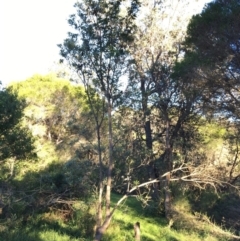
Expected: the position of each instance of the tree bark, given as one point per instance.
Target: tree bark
(167, 198)
(110, 161)
(168, 164)
(148, 134)
(102, 229)
(149, 140)
(99, 209)
(137, 233)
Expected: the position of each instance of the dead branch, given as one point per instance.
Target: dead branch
(199, 177)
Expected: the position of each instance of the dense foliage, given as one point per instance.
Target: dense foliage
(15, 140)
(212, 56)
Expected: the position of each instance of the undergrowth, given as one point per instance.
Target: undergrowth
(50, 226)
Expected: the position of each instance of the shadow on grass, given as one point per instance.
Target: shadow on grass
(131, 202)
(39, 230)
(145, 238)
(44, 225)
(33, 196)
(20, 235)
(133, 205)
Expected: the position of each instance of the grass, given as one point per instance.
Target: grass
(41, 227)
(186, 227)
(154, 227)
(50, 235)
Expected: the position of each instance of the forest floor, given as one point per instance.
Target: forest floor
(184, 226)
(154, 227)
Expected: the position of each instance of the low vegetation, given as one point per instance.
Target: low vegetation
(57, 226)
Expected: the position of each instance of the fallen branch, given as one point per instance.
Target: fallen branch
(197, 177)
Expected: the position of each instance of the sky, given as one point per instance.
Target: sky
(29, 33)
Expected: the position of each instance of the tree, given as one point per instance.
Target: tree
(213, 55)
(97, 49)
(164, 101)
(211, 62)
(16, 141)
(54, 107)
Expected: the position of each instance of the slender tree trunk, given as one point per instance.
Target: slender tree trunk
(98, 126)
(102, 229)
(148, 133)
(99, 209)
(151, 165)
(149, 141)
(11, 165)
(168, 164)
(137, 233)
(167, 198)
(110, 161)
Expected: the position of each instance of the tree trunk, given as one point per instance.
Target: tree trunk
(99, 209)
(167, 198)
(110, 161)
(168, 164)
(101, 230)
(148, 133)
(149, 141)
(137, 233)
(98, 120)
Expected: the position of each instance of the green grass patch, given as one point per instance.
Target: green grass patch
(155, 227)
(50, 226)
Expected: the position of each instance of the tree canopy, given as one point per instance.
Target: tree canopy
(213, 55)
(16, 141)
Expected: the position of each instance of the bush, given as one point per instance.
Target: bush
(226, 211)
